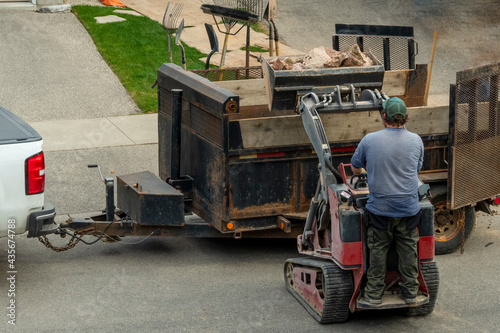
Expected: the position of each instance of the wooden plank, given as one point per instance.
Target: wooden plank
(269, 87)
(272, 10)
(433, 177)
(415, 91)
(409, 85)
(258, 111)
(339, 127)
(428, 81)
(251, 92)
(394, 83)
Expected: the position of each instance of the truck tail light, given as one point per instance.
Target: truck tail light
(35, 174)
(496, 201)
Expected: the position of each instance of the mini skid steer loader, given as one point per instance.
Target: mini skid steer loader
(329, 280)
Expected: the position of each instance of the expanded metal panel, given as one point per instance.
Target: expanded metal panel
(235, 73)
(345, 42)
(399, 53)
(375, 45)
(475, 136)
(393, 46)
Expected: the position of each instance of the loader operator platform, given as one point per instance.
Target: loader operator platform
(392, 158)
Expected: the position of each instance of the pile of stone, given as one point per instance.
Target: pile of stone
(321, 57)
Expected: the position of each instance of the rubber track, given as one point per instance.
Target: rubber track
(338, 290)
(431, 276)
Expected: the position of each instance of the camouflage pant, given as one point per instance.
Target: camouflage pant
(379, 242)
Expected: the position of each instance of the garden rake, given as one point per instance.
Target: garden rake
(170, 19)
(232, 12)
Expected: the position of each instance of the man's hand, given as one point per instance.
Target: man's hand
(358, 171)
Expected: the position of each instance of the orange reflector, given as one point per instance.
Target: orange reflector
(247, 156)
(230, 225)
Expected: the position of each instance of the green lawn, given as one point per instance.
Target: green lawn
(255, 49)
(134, 49)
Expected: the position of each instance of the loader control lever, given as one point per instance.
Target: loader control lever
(360, 181)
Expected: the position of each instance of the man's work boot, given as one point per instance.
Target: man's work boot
(370, 301)
(409, 299)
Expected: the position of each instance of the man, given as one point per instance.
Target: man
(392, 158)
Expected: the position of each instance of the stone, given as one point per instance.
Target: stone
(109, 19)
(336, 57)
(55, 9)
(354, 52)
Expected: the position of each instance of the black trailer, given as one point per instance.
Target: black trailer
(246, 169)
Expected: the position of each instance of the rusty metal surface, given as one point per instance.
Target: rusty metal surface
(149, 200)
(194, 227)
(476, 136)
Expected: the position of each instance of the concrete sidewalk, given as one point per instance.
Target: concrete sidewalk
(61, 135)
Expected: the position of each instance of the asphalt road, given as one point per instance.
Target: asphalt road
(210, 285)
(179, 284)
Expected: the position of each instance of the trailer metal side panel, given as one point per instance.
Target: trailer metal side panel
(203, 138)
(474, 136)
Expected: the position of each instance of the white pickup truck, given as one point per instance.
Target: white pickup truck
(22, 180)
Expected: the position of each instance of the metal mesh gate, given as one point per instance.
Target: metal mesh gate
(394, 46)
(230, 73)
(474, 136)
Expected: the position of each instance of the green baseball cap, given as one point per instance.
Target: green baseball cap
(394, 106)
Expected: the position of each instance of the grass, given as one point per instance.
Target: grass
(254, 49)
(134, 49)
(259, 27)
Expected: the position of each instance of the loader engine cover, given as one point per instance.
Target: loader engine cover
(149, 200)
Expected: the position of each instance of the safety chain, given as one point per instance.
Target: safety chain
(71, 244)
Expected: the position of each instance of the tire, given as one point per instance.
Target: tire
(431, 276)
(448, 224)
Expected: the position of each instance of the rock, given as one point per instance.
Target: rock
(336, 58)
(55, 9)
(109, 19)
(316, 58)
(351, 61)
(354, 51)
(279, 65)
(290, 62)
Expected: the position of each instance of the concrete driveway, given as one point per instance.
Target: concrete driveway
(174, 285)
(468, 32)
(51, 70)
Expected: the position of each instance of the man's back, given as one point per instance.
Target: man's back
(393, 157)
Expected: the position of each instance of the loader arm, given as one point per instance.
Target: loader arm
(368, 100)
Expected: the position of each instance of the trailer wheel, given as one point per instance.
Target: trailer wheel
(448, 224)
(431, 276)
